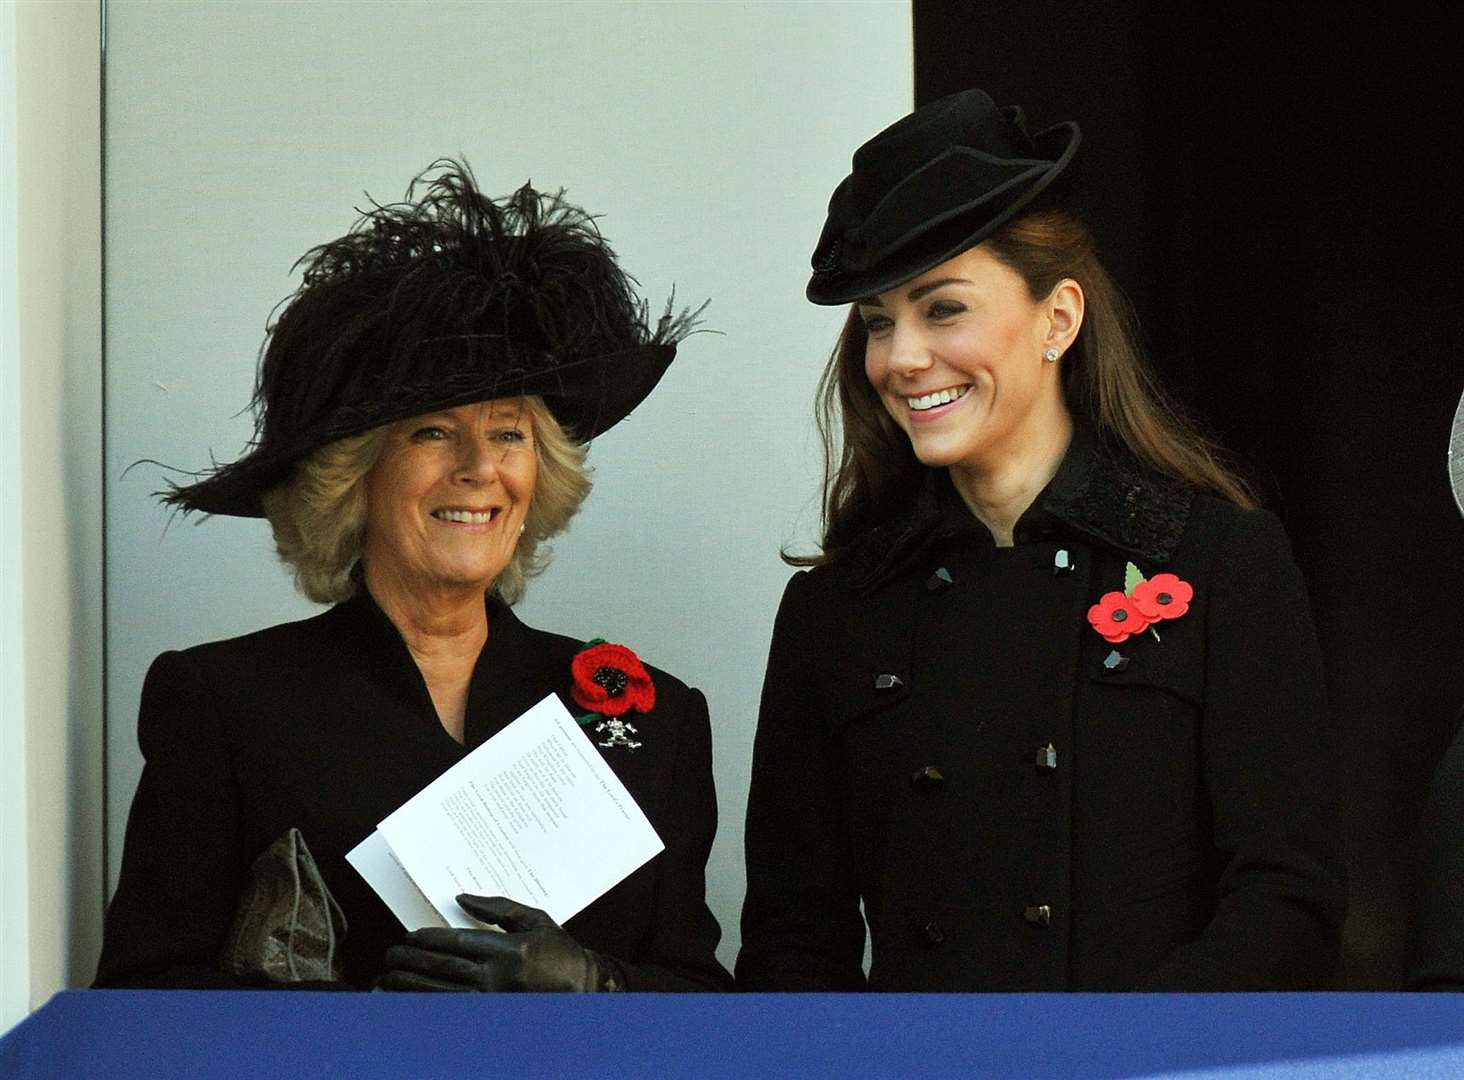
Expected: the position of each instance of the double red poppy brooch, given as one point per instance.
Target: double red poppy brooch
(1144, 602)
(610, 681)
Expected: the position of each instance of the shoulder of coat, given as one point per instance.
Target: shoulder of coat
(1132, 509)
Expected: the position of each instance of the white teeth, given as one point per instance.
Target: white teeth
(466, 517)
(940, 397)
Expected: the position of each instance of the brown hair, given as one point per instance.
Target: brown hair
(1105, 379)
(319, 515)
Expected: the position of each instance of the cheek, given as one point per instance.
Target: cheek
(875, 367)
(378, 501)
(1018, 350)
(877, 373)
(395, 489)
(976, 354)
(391, 495)
(523, 479)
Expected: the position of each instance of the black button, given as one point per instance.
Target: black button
(927, 778)
(1039, 915)
(1114, 662)
(1062, 562)
(939, 581)
(1046, 758)
(888, 682)
(933, 933)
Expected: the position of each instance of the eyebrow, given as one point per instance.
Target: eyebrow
(916, 293)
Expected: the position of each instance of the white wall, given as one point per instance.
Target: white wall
(50, 532)
(708, 135)
(14, 847)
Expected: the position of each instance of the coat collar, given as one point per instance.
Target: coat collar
(517, 650)
(516, 667)
(1098, 492)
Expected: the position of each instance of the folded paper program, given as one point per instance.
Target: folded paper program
(534, 814)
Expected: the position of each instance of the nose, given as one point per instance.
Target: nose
(477, 460)
(908, 353)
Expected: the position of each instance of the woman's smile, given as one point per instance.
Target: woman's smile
(928, 407)
(464, 516)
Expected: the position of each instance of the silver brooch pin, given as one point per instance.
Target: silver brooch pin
(620, 733)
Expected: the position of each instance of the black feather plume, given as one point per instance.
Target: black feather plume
(448, 294)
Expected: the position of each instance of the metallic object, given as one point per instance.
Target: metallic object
(1456, 456)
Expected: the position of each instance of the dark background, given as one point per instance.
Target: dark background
(1275, 192)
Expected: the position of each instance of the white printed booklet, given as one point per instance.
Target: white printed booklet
(534, 814)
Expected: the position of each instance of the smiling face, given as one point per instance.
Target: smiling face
(446, 502)
(957, 358)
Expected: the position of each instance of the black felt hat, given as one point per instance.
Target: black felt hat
(928, 187)
(442, 301)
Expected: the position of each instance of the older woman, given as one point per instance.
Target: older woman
(424, 402)
(1047, 710)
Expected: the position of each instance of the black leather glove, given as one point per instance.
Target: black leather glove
(531, 952)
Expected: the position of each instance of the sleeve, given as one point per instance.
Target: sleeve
(802, 928)
(1436, 933)
(1268, 770)
(682, 952)
(181, 857)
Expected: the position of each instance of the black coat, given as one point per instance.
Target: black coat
(327, 725)
(941, 741)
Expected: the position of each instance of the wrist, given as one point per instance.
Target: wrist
(608, 976)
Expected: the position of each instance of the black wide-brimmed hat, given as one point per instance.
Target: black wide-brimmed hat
(928, 187)
(440, 301)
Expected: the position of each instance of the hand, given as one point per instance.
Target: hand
(531, 952)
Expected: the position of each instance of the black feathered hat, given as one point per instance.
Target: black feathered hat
(928, 187)
(442, 301)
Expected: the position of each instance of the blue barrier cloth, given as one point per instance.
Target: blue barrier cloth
(159, 1034)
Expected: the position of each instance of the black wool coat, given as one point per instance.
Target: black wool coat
(1017, 804)
(326, 725)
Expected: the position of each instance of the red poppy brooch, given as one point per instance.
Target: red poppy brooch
(1144, 602)
(610, 681)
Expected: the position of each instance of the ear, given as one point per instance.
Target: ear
(1064, 308)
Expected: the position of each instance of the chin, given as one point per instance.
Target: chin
(467, 579)
(935, 461)
(938, 455)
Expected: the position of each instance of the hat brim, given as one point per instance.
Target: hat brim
(948, 234)
(587, 397)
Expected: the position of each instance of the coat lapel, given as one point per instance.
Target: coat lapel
(517, 667)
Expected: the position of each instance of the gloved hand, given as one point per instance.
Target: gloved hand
(531, 952)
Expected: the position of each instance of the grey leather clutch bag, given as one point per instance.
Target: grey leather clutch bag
(288, 928)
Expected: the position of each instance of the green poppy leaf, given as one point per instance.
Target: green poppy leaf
(1132, 576)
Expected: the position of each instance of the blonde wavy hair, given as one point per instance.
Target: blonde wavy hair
(319, 515)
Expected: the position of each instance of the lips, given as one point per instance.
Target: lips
(932, 407)
(462, 516)
(936, 398)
